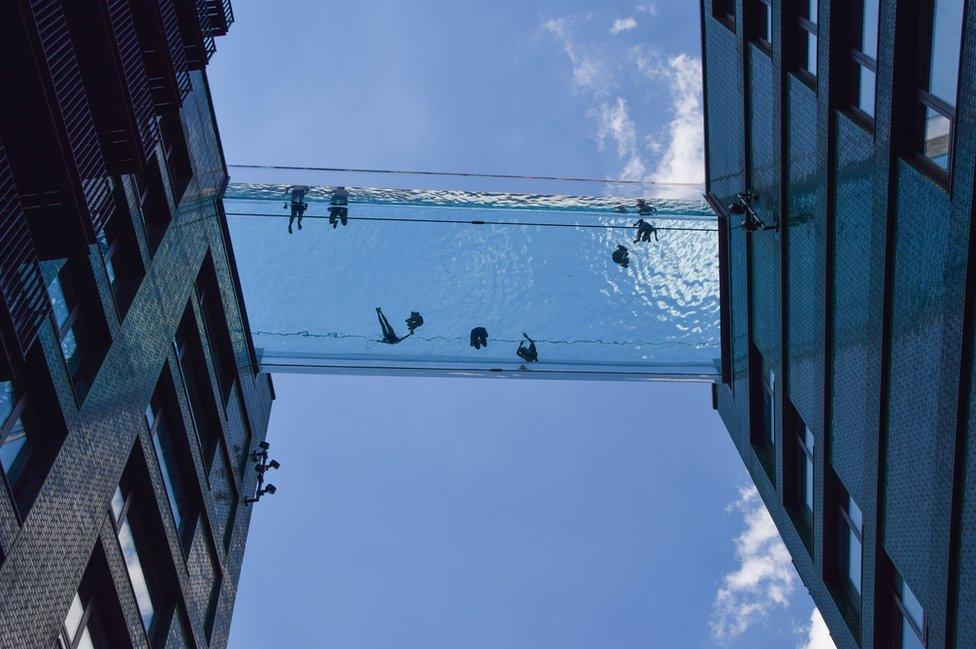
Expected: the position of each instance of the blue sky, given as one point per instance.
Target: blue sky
(477, 513)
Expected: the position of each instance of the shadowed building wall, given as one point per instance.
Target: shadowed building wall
(129, 396)
(848, 330)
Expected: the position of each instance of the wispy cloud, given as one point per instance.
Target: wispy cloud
(818, 637)
(615, 123)
(764, 578)
(589, 73)
(671, 153)
(622, 25)
(682, 143)
(649, 8)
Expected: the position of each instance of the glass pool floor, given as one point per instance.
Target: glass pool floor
(477, 264)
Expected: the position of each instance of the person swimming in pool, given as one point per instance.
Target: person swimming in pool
(338, 212)
(644, 231)
(297, 205)
(620, 256)
(415, 320)
(389, 335)
(479, 337)
(528, 354)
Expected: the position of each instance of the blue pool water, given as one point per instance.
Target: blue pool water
(511, 263)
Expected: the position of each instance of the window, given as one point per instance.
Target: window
(172, 453)
(940, 41)
(801, 487)
(215, 328)
(82, 627)
(909, 618)
(193, 372)
(806, 37)
(94, 618)
(760, 21)
(122, 502)
(153, 204)
(169, 461)
(851, 526)
(67, 313)
(762, 390)
(177, 156)
(16, 443)
(120, 254)
(864, 57)
(724, 11)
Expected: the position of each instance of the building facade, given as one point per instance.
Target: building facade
(130, 401)
(848, 310)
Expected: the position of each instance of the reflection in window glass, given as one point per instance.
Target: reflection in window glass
(105, 248)
(58, 302)
(866, 86)
(811, 65)
(808, 470)
(6, 400)
(14, 452)
(854, 523)
(168, 465)
(73, 619)
(946, 40)
(69, 344)
(136, 575)
(85, 642)
(912, 617)
(869, 28)
(118, 502)
(936, 144)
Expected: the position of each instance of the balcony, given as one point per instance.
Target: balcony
(24, 298)
(198, 37)
(159, 35)
(533, 259)
(47, 128)
(117, 85)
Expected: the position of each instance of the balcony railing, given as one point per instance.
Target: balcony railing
(75, 114)
(20, 278)
(134, 74)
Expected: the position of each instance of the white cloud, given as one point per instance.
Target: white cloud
(615, 123)
(818, 636)
(681, 142)
(674, 153)
(649, 8)
(622, 25)
(589, 73)
(764, 578)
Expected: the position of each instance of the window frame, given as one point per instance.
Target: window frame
(724, 12)
(805, 28)
(75, 316)
(179, 510)
(922, 98)
(183, 341)
(88, 607)
(759, 21)
(207, 292)
(128, 495)
(17, 413)
(858, 61)
(848, 526)
(906, 617)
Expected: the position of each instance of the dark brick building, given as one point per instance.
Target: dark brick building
(129, 395)
(848, 330)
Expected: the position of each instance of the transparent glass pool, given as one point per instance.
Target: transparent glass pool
(537, 263)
